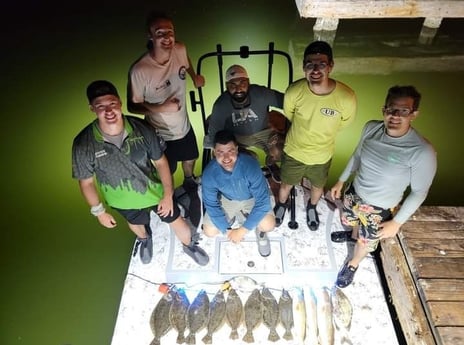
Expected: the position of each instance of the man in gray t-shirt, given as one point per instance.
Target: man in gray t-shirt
(390, 157)
(243, 109)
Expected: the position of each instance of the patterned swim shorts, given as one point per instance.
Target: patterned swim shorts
(356, 212)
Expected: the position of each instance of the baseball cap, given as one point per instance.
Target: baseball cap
(236, 71)
(99, 88)
(319, 47)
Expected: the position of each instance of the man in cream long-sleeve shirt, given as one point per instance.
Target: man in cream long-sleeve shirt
(390, 157)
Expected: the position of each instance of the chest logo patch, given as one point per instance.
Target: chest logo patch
(182, 73)
(329, 112)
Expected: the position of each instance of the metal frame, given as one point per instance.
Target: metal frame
(244, 52)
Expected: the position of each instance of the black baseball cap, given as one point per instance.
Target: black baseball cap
(100, 88)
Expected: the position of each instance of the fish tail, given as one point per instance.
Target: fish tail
(346, 340)
(207, 339)
(233, 334)
(288, 335)
(155, 341)
(190, 339)
(180, 338)
(273, 336)
(248, 337)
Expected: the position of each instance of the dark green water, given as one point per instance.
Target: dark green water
(62, 273)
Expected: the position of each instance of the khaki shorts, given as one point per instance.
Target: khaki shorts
(292, 171)
(236, 211)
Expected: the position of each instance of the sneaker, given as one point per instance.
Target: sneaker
(145, 248)
(190, 185)
(197, 254)
(264, 246)
(279, 211)
(345, 276)
(342, 236)
(312, 218)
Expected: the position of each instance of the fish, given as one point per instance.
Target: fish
(178, 314)
(286, 314)
(342, 313)
(299, 315)
(325, 318)
(243, 283)
(270, 313)
(197, 315)
(311, 317)
(159, 320)
(217, 313)
(253, 314)
(234, 312)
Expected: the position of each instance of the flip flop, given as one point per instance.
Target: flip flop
(341, 236)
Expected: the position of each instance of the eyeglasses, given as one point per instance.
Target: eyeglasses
(309, 66)
(164, 33)
(402, 112)
(243, 82)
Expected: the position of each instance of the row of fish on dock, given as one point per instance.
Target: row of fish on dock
(307, 315)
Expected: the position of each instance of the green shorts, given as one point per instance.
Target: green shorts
(292, 171)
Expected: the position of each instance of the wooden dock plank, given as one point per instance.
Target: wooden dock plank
(404, 297)
(451, 335)
(439, 213)
(442, 289)
(447, 313)
(436, 247)
(452, 268)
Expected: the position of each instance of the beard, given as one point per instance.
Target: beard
(239, 97)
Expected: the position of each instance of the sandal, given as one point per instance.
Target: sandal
(341, 236)
(279, 211)
(312, 218)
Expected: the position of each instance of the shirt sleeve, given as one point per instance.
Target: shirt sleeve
(210, 192)
(260, 191)
(422, 173)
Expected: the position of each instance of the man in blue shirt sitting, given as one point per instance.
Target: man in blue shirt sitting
(234, 189)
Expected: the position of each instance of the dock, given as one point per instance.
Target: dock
(424, 269)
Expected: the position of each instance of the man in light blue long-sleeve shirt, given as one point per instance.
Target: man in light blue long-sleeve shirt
(234, 189)
(390, 157)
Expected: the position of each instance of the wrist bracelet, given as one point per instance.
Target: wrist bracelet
(97, 210)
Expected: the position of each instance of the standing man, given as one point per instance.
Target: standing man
(390, 157)
(243, 109)
(157, 89)
(234, 189)
(317, 107)
(124, 156)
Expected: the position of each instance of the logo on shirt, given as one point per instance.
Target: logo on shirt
(243, 116)
(100, 154)
(163, 86)
(182, 73)
(329, 112)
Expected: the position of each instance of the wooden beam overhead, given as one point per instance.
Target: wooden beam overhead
(380, 9)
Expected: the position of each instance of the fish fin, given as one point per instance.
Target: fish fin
(248, 337)
(207, 339)
(288, 335)
(233, 334)
(273, 335)
(180, 338)
(190, 339)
